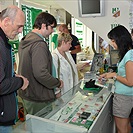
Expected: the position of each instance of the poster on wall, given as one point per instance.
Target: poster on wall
(79, 31)
(115, 14)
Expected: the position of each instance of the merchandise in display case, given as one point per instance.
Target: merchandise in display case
(77, 111)
(77, 108)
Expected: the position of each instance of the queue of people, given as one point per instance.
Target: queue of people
(37, 85)
(42, 77)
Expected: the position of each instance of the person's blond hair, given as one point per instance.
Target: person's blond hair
(64, 37)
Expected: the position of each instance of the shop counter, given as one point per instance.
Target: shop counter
(35, 124)
(84, 109)
(77, 111)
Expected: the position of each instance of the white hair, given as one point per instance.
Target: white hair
(9, 12)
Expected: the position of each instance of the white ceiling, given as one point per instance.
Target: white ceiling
(42, 3)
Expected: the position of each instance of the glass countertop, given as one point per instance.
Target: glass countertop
(77, 106)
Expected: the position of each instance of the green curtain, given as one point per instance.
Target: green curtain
(30, 14)
(14, 44)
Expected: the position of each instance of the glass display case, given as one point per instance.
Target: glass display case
(78, 107)
(78, 111)
(35, 124)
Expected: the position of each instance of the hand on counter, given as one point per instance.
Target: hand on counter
(107, 75)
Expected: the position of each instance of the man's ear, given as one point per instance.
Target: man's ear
(43, 26)
(6, 21)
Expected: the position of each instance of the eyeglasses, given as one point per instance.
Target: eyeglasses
(52, 27)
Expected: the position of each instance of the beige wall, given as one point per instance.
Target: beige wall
(5, 3)
(100, 25)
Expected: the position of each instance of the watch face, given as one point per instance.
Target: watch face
(114, 78)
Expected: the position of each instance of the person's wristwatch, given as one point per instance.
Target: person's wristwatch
(115, 78)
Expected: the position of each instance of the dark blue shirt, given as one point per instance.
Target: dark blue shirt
(75, 42)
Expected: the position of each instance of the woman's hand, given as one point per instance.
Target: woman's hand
(102, 76)
(107, 75)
